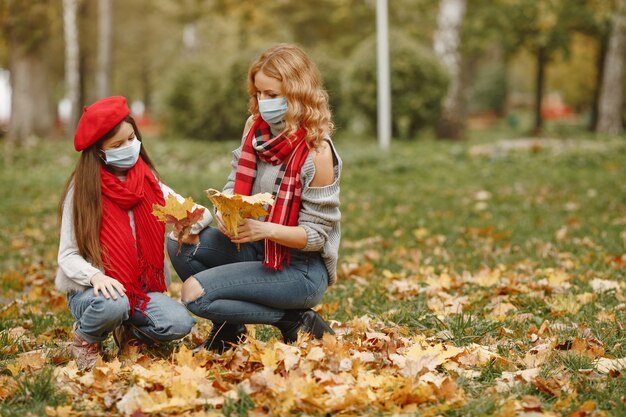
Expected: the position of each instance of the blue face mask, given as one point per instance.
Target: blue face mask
(123, 158)
(273, 110)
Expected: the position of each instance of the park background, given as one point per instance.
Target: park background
(483, 253)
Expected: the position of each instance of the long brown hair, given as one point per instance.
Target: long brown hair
(87, 199)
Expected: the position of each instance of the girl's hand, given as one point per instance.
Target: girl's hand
(107, 286)
(251, 231)
(191, 239)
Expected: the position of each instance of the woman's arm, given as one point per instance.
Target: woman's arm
(295, 236)
(230, 182)
(253, 230)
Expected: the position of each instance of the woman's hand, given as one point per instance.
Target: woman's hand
(107, 285)
(220, 224)
(251, 230)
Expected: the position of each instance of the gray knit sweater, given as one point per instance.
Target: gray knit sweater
(319, 207)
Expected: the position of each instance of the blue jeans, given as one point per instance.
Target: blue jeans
(165, 319)
(238, 288)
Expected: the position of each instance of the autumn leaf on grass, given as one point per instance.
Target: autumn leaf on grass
(234, 208)
(180, 215)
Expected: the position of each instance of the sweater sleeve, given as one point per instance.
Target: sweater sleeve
(319, 206)
(229, 187)
(71, 262)
(206, 219)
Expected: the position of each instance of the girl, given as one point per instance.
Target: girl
(285, 262)
(111, 251)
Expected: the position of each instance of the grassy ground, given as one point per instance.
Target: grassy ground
(425, 215)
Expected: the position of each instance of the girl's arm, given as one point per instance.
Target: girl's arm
(72, 263)
(206, 216)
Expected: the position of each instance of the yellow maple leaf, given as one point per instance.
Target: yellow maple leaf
(269, 358)
(234, 208)
(173, 207)
(180, 215)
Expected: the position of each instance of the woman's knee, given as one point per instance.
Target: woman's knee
(191, 290)
(172, 249)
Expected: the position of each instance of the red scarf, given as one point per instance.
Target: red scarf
(137, 263)
(290, 152)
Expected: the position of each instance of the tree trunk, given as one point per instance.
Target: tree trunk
(190, 38)
(602, 50)
(72, 73)
(32, 112)
(446, 44)
(103, 72)
(539, 85)
(611, 108)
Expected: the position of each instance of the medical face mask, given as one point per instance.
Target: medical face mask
(123, 158)
(273, 110)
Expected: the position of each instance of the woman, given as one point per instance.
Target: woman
(111, 251)
(287, 260)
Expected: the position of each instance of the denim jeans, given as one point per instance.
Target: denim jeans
(165, 319)
(238, 288)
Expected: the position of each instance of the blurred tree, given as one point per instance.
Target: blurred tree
(611, 106)
(105, 46)
(333, 25)
(28, 27)
(205, 99)
(72, 73)
(446, 45)
(544, 28)
(484, 69)
(418, 84)
(597, 25)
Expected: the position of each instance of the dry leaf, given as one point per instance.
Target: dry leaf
(180, 215)
(234, 208)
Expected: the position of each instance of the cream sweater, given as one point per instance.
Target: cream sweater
(75, 272)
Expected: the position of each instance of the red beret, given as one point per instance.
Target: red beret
(98, 119)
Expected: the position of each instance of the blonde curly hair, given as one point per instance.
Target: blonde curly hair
(302, 87)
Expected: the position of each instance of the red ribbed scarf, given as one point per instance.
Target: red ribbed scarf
(290, 152)
(137, 263)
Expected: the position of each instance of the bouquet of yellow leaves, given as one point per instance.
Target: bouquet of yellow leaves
(180, 215)
(234, 208)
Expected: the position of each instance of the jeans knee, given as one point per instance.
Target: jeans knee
(182, 327)
(112, 310)
(177, 327)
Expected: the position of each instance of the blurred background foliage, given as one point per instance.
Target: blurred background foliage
(186, 60)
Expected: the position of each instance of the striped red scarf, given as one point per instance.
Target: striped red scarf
(290, 152)
(137, 263)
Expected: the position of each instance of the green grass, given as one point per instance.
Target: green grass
(427, 200)
(34, 393)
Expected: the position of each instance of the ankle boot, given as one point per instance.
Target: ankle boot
(83, 352)
(307, 321)
(222, 337)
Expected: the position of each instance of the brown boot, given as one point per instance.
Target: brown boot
(83, 352)
(125, 337)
